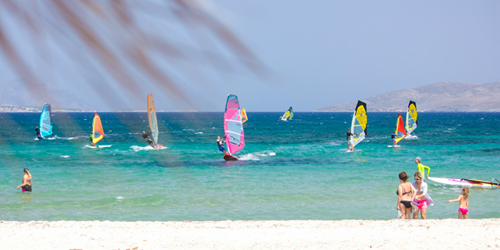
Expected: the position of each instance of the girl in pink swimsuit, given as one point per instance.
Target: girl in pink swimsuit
(463, 210)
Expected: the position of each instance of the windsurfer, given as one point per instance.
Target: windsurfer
(220, 145)
(393, 137)
(92, 140)
(37, 130)
(146, 137)
(350, 144)
(421, 168)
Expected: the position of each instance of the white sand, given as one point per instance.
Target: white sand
(346, 234)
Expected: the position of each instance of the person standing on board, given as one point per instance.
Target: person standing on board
(146, 137)
(37, 131)
(393, 137)
(421, 168)
(220, 145)
(350, 143)
(27, 181)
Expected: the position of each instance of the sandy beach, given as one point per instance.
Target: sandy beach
(345, 234)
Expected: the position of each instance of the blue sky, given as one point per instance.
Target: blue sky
(320, 53)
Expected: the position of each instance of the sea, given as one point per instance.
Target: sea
(293, 170)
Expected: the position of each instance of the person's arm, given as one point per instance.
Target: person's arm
(428, 170)
(400, 196)
(25, 182)
(413, 192)
(457, 200)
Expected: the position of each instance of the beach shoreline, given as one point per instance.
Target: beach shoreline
(293, 234)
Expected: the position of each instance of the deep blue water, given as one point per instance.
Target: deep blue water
(288, 170)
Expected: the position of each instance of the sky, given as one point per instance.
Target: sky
(315, 54)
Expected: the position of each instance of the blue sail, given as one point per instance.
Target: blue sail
(45, 124)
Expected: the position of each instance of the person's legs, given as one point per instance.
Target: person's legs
(466, 215)
(408, 213)
(423, 213)
(402, 209)
(415, 215)
(460, 215)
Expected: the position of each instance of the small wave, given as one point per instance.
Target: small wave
(199, 133)
(145, 148)
(68, 138)
(266, 154)
(249, 157)
(119, 198)
(64, 156)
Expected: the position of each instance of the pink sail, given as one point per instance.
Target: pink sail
(233, 128)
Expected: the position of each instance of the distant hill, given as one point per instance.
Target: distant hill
(437, 97)
(14, 94)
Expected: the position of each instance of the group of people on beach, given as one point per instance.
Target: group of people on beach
(413, 197)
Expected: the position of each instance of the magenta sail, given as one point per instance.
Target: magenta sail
(233, 128)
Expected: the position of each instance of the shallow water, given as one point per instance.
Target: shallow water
(288, 170)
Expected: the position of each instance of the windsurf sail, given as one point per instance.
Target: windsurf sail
(359, 122)
(467, 182)
(411, 117)
(153, 123)
(244, 116)
(233, 128)
(400, 129)
(45, 123)
(288, 115)
(97, 131)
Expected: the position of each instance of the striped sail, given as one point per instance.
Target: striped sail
(233, 128)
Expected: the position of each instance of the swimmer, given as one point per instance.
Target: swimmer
(27, 181)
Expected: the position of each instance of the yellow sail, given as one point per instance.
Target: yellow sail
(244, 116)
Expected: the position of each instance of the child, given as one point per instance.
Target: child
(463, 211)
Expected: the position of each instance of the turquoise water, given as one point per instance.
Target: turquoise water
(288, 170)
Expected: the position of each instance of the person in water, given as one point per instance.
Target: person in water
(463, 210)
(37, 131)
(421, 168)
(146, 137)
(220, 145)
(406, 193)
(27, 181)
(422, 199)
(350, 144)
(393, 137)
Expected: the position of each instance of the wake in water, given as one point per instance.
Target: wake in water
(145, 148)
(100, 146)
(255, 156)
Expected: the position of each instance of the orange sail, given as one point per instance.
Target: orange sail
(97, 131)
(400, 129)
